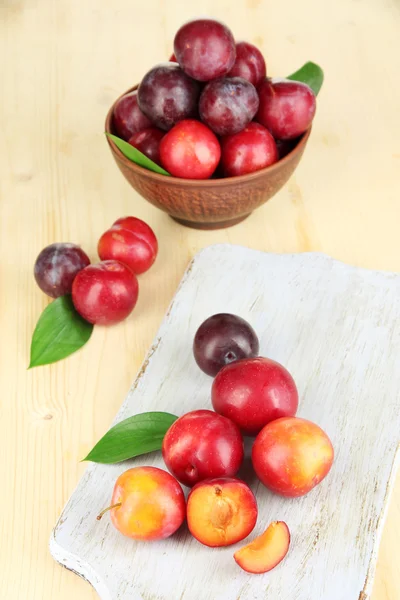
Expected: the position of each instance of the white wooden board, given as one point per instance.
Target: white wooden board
(336, 328)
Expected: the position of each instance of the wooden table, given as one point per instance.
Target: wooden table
(62, 64)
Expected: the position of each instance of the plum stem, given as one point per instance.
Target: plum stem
(107, 509)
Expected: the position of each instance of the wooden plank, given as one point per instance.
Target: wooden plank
(336, 328)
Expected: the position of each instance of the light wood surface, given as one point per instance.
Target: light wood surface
(62, 62)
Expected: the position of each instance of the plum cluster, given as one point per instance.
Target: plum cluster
(106, 292)
(204, 450)
(212, 110)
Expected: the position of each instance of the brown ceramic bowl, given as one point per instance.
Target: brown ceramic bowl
(208, 203)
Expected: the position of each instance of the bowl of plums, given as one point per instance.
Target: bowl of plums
(207, 137)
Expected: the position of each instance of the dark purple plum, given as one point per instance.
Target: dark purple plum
(222, 339)
(148, 142)
(249, 63)
(205, 49)
(56, 267)
(128, 118)
(285, 146)
(228, 104)
(167, 95)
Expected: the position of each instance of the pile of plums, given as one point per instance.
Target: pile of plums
(203, 449)
(106, 292)
(213, 106)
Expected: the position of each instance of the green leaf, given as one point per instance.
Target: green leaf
(136, 156)
(59, 332)
(311, 74)
(132, 437)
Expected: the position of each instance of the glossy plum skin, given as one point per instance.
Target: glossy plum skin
(130, 241)
(228, 104)
(148, 142)
(222, 339)
(250, 150)
(152, 507)
(190, 150)
(57, 266)
(221, 511)
(287, 108)
(254, 391)
(249, 63)
(200, 445)
(291, 456)
(205, 49)
(167, 95)
(105, 293)
(128, 118)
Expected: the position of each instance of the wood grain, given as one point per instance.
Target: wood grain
(63, 62)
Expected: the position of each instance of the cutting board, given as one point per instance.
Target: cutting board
(337, 329)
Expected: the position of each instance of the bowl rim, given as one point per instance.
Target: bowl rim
(222, 181)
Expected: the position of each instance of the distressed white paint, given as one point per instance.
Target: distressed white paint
(337, 330)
